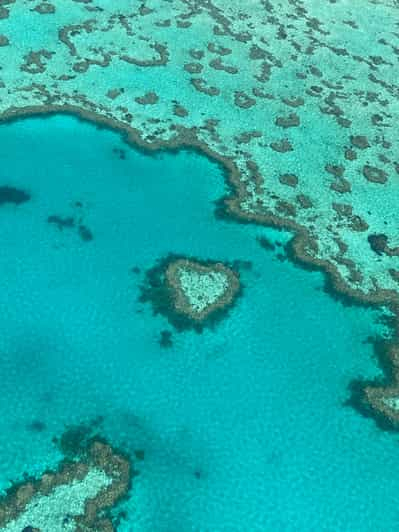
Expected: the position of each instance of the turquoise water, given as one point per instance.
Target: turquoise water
(243, 427)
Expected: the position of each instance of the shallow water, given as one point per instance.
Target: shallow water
(243, 426)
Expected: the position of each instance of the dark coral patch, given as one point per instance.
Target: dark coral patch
(36, 426)
(165, 340)
(179, 110)
(374, 174)
(360, 141)
(265, 243)
(13, 195)
(74, 441)
(120, 152)
(193, 68)
(114, 93)
(290, 180)
(334, 169)
(294, 102)
(241, 99)
(68, 222)
(85, 234)
(379, 244)
(218, 64)
(149, 98)
(341, 186)
(139, 454)
(44, 8)
(62, 223)
(350, 155)
(201, 85)
(292, 120)
(281, 146)
(304, 201)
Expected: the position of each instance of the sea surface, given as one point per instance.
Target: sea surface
(244, 426)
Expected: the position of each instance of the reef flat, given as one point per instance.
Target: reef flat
(71, 498)
(301, 113)
(298, 100)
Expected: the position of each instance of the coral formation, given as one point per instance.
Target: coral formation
(190, 292)
(76, 496)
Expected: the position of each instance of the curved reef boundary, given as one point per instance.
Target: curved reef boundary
(368, 397)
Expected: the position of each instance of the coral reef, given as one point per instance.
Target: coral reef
(76, 496)
(190, 292)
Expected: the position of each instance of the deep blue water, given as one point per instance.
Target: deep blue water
(254, 407)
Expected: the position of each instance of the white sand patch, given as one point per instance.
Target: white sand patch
(202, 289)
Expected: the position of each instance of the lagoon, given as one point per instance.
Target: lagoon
(243, 426)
